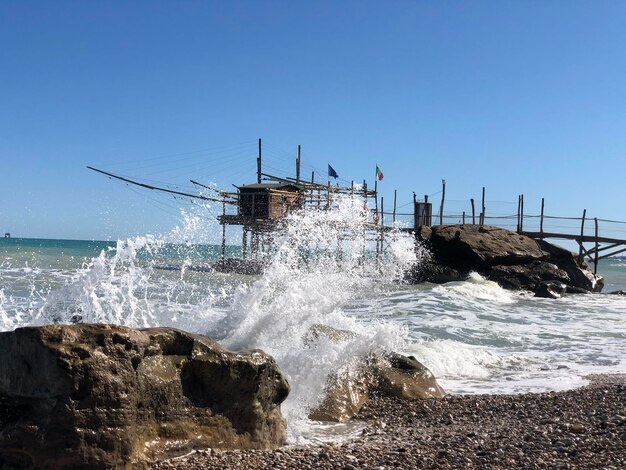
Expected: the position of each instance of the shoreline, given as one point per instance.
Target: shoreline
(578, 428)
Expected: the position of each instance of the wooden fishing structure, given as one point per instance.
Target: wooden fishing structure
(260, 209)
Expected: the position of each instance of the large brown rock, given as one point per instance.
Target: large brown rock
(485, 246)
(512, 260)
(101, 396)
(387, 375)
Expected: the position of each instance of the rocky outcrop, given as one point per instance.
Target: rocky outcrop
(375, 375)
(101, 396)
(512, 260)
(550, 290)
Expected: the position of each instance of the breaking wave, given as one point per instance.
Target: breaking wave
(321, 262)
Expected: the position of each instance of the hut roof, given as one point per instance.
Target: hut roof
(260, 186)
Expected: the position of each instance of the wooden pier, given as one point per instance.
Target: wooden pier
(591, 247)
(601, 247)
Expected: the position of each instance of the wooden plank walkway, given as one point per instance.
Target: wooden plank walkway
(576, 238)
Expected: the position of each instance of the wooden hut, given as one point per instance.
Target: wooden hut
(268, 201)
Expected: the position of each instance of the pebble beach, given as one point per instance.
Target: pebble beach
(580, 428)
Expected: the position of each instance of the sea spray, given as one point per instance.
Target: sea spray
(322, 261)
(112, 288)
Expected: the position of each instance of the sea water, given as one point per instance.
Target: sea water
(475, 336)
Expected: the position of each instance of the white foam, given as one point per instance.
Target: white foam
(452, 359)
(479, 288)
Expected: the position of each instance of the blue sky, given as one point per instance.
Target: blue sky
(520, 97)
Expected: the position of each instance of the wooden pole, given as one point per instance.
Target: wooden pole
(521, 219)
(443, 198)
(244, 242)
(519, 209)
(328, 200)
(595, 261)
(482, 214)
(366, 215)
(463, 217)
(312, 177)
(580, 242)
(365, 195)
(298, 166)
(258, 165)
(379, 241)
(541, 220)
(473, 212)
(395, 196)
(414, 211)
(223, 230)
(254, 243)
(376, 196)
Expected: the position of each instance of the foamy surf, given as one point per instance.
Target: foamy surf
(476, 287)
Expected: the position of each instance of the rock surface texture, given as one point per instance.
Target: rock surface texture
(512, 260)
(101, 396)
(390, 375)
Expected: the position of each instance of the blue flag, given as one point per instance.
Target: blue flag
(331, 172)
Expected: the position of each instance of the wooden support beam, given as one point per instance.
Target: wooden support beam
(244, 242)
(585, 253)
(521, 219)
(595, 263)
(443, 200)
(617, 252)
(482, 214)
(610, 247)
(328, 200)
(258, 165)
(582, 235)
(376, 197)
(395, 196)
(298, 166)
(541, 220)
(519, 211)
(223, 231)
(576, 238)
